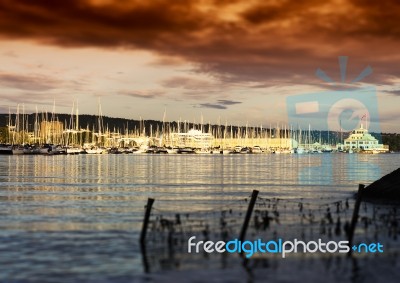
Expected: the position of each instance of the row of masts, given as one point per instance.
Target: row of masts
(47, 129)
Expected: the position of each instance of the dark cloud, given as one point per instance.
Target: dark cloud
(83, 23)
(213, 106)
(228, 102)
(147, 94)
(395, 92)
(379, 18)
(271, 11)
(221, 104)
(268, 42)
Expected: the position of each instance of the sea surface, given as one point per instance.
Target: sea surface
(78, 218)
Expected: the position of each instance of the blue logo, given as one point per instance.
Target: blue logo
(340, 110)
(345, 108)
(249, 248)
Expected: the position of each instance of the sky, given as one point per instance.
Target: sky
(218, 61)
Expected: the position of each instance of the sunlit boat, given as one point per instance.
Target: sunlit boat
(74, 150)
(203, 151)
(256, 150)
(326, 148)
(236, 149)
(94, 150)
(300, 150)
(17, 150)
(142, 149)
(172, 150)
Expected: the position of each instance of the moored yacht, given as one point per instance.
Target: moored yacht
(256, 150)
(74, 150)
(51, 149)
(17, 150)
(95, 150)
(186, 150)
(6, 149)
(172, 150)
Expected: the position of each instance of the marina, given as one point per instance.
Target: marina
(45, 134)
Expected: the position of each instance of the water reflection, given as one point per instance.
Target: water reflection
(55, 207)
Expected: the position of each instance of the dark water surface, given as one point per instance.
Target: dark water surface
(78, 218)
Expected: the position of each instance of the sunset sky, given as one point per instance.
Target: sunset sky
(227, 60)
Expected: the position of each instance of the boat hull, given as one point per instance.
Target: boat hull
(6, 151)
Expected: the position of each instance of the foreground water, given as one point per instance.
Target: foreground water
(78, 218)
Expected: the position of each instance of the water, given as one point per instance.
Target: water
(78, 218)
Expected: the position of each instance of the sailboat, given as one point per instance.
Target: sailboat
(17, 149)
(300, 149)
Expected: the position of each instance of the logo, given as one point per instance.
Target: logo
(340, 110)
(249, 248)
(347, 107)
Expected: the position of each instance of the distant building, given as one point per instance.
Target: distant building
(361, 140)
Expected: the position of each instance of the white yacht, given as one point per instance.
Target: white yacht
(73, 150)
(256, 150)
(94, 150)
(17, 150)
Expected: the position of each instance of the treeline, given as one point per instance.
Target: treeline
(91, 121)
(393, 140)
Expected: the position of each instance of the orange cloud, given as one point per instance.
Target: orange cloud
(262, 41)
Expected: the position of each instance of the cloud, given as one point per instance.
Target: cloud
(393, 89)
(146, 94)
(199, 89)
(390, 116)
(86, 23)
(268, 42)
(10, 54)
(30, 82)
(221, 104)
(187, 83)
(34, 98)
(211, 105)
(228, 102)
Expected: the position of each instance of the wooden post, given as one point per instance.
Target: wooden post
(248, 215)
(150, 202)
(355, 216)
(145, 261)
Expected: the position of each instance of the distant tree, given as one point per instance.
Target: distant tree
(392, 140)
(3, 134)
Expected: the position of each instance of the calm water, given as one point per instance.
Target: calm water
(77, 218)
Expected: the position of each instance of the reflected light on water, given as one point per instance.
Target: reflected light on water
(76, 203)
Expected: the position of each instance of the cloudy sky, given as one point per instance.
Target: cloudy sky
(227, 60)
